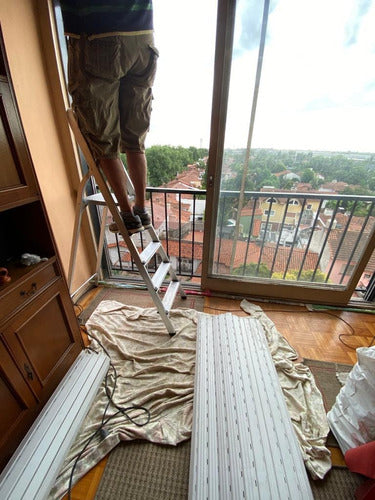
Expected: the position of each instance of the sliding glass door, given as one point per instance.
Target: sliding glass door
(291, 183)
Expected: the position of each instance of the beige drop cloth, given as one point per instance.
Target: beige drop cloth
(157, 372)
(154, 370)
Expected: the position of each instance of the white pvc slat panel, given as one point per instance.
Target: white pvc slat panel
(31, 472)
(243, 442)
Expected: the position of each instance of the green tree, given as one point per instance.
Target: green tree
(308, 175)
(286, 183)
(306, 275)
(253, 269)
(161, 167)
(165, 162)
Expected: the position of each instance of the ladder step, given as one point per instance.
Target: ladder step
(97, 199)
(170, 295)
(149, 252)
(160, 274)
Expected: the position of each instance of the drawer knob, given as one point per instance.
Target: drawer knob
(27, 293)
(29, 372)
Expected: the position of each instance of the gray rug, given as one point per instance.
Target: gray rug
(326, 380)
(339, 484)
(328, 384)
(145, 471)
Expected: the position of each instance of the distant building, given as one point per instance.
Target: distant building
(333, 187)
(291, 176)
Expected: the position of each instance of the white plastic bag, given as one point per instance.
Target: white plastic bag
(352, 417)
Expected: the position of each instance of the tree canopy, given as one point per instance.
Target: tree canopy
(267, 167)
(165, 162)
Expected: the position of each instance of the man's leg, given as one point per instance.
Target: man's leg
(114, 171)
(137, 166)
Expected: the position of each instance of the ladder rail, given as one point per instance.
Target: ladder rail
(98, 273)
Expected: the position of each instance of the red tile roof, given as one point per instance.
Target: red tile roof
(352, 241)
(188, 179)
(253, 253)
(336, 187)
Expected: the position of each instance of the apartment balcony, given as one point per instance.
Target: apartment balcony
(295, 238)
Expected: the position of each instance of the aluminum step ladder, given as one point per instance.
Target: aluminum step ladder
(140, 259)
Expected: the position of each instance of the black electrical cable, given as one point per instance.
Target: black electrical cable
(352, 334)
(110, 395)
(120, 410)
(84, 449)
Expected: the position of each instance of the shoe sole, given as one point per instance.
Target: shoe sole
(137, 230)
(115, 229)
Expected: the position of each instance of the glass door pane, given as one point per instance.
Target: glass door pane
(295, 203)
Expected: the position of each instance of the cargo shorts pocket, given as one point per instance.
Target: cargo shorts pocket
(145, 76)
(153, 63)
(102, 57)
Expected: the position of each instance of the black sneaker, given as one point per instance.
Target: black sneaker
(132, 223)
(143, 215)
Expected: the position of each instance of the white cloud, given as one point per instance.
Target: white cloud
(317, 89)
(185, 36)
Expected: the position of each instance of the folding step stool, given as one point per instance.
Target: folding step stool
(141, 259)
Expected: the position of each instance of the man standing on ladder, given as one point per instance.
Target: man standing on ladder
(111, 67)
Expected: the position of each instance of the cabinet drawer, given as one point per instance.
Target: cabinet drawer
(27, 288)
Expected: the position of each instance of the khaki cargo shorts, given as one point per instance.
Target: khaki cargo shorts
(110, 81)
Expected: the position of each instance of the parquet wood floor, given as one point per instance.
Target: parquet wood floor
(331, 335)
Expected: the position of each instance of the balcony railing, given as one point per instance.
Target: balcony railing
(291, 236)
(296, 236)
(177, 216)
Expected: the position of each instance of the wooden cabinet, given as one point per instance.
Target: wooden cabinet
(39, 333)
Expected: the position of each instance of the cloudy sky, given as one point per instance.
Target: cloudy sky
(317, 86)
(185, 38)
